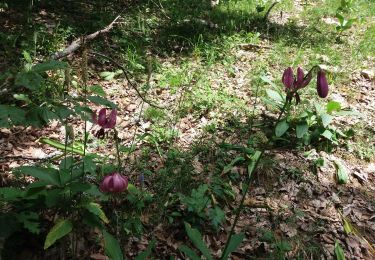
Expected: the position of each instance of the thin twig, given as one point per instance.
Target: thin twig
(128, 79)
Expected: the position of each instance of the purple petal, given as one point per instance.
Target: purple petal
(306, 79)
(288, 77)
(119, 183)
(104, 186)
(322, 84)
(111, 121)
(102, 117)
(299, 79)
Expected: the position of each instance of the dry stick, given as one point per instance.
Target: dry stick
(128, 79)
(77, 43)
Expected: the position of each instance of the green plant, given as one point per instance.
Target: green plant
(197, 240)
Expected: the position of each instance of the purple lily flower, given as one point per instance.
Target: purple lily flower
(322, 84)
(114, 183)
(288, 78)
(103, 120)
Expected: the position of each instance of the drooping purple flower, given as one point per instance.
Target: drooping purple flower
(114, 183)
(103, 120)
(288, 78)
(322, 84)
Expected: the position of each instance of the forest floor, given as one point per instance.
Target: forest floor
(206, 68)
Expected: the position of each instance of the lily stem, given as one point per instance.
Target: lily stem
(248, 181)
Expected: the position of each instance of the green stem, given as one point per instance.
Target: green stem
(256, 158)
(117, 150)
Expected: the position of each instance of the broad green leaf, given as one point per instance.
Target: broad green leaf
(27, 57)
(327, 134)
(59, 230)
(216, 215)
(96, 209)
(107, 75)
(196, 237)
(10, 194)
(189, 252)
(234, 243)
(267, 80)
(236, 160)
(341, 173)
(112, 247)
(281, 128)
(30, 221)
(101, 101)
(274, 95)
(30, 80)
(326, 119)
(49, 65)
(48, 175)
(301, 129)
(60, 146)
(339, 252)
(333, 106)
(347, 226)
(145, 254)
(253, 163)
(98, 90)
(22, 97)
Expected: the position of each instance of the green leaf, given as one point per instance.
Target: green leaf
(189, 252)
(10, 194)
(348, 228)
(98, 90)
(254, 161)
(326, 119)
(301, 129)
(236, 160)
(27, 57)
(333, 106)
(234, 243)
(327, 134)
(22, 97)
(274, 95)
(281, 128)
(30, 80)
(267, 80)
(196, 237)
(339, 252)
(61, 146)
(341, 173)
(59, 230)
(101, 101)
(48, 175)
(145, 254)
(107, 75)
(96, 209)
(49, 65)
(29, 221)
(112, 247)
(216, 215)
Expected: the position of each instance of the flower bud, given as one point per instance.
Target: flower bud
(322, 84)
(102, 120)
(288, 78)
(114, 183)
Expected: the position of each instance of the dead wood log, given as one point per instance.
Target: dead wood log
(77, 43)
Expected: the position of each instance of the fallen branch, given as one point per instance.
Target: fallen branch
(77, 43)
